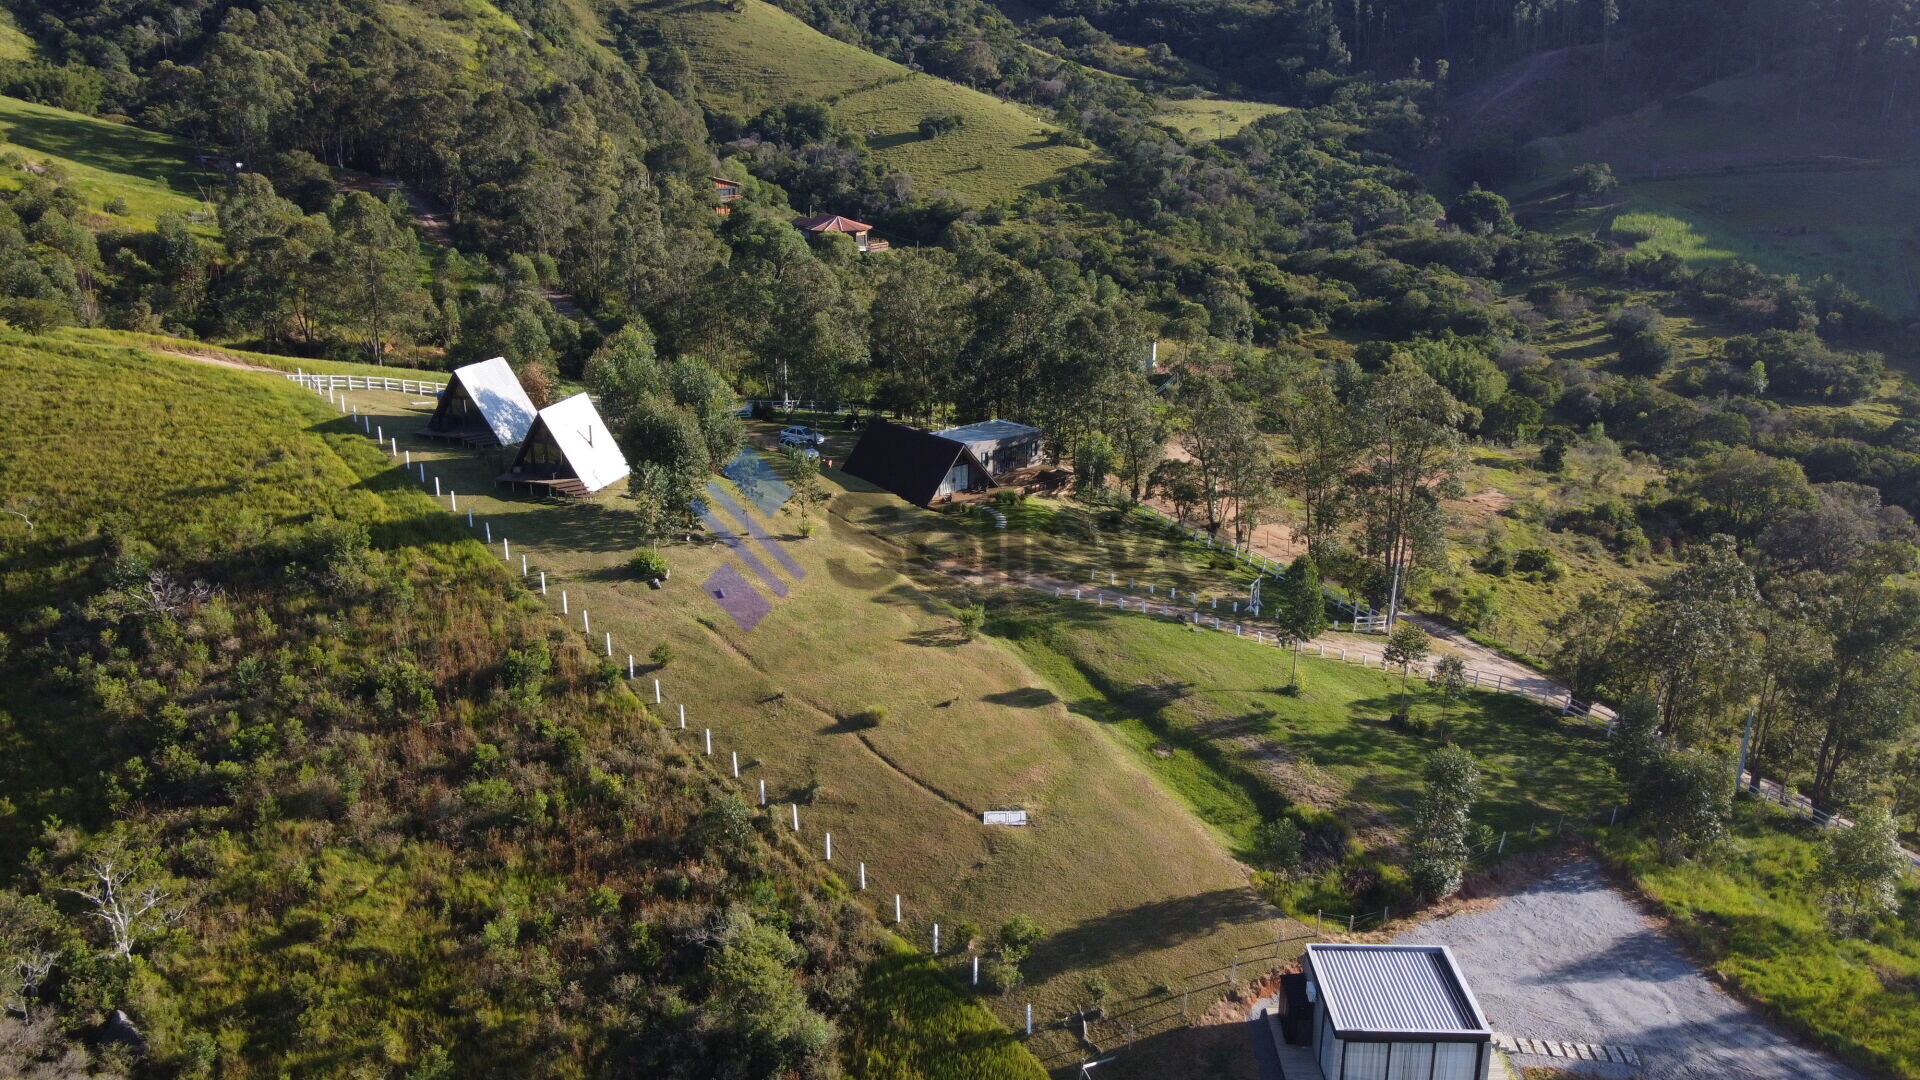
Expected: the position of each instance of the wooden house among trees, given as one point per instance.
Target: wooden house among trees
(483, 405)
(724, 191)
(822, 224)
(568, 451)
(919, 466)
(1003, 447)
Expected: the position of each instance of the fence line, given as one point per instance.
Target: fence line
(324, 383)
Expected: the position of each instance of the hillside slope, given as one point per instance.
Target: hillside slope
(757, 56)
(404, 823)
(152, 173)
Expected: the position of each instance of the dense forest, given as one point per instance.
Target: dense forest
(1338, 333)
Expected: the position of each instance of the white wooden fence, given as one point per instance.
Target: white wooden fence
(322, 384)
(1360, 614)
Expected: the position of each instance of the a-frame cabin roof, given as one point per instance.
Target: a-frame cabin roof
(496, 392)
(575, 427)
(907, 461)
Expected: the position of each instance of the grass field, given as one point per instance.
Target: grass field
(1124, 878)
(155, 174)
(207, 464)
(762, 56)
(1214, 118)
(14, 45)
(1753, 168)
(1212, 717)
(1850, 223)
(1753, 912)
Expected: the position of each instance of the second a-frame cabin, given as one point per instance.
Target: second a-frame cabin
(919, 466)
(483, 405)
(568, 451)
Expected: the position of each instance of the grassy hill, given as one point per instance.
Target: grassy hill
(153, 174)
(410, 824)
(758, 55)
(1214, 118)
(14, 45)
(1126, 881)
(1752, 168)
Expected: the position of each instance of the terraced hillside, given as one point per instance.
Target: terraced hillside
(756, 55)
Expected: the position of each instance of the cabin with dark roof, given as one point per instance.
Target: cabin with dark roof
(916, 465)
(1382, 1012)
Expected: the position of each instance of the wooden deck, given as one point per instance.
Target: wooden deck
(568, 486)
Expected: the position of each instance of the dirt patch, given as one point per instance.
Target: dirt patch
(1482, 505)
(1570, 957)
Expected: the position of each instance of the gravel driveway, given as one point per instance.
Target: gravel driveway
(1571, 959)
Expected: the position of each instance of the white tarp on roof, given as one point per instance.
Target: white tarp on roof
(584, 440)
(495, 390)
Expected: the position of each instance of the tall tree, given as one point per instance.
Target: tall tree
(1411, 462)
(1326, 445)
(1862, 693)
(1136, 425)
(1299, 607)
(921, 317)
(1443, 823)
(377, 287)
(1693, 642)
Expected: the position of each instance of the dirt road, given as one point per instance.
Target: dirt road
(1569, 958)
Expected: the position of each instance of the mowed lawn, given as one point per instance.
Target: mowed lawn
(1126, 880)
(1212, 715)
(761, 56)
(155, 174)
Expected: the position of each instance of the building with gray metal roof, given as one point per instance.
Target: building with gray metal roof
(1394, 1012)
(1002, 446)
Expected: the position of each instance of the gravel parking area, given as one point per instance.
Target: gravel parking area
(1570, 958)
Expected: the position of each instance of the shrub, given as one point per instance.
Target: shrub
(1540, 562)
(939, 123)
(868, 718)
(971, 619)
(662, 654)
(1280, 843)
(649, 565)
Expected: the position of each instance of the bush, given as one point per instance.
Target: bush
(662, 654)
(936, 124)
(1281, 844)
(971, 619)
(867, 718)
(649, 565)
(1539, 562)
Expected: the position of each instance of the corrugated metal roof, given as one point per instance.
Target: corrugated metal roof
(1395, 988)
(583, 438)
(495, 390)
(988, 431)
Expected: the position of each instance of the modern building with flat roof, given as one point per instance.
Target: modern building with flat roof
(1394, 1012)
